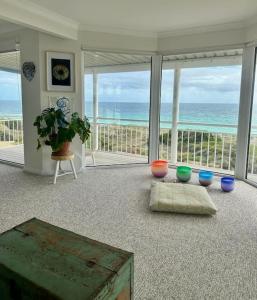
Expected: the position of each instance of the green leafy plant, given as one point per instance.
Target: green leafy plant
(54, 129)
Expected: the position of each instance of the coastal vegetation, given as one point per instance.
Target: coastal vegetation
(197, 148)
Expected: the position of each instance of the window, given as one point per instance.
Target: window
(11, 129)
(199, 109)
(252, 150)
(117, 95)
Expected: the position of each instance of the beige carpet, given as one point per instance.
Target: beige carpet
(176, 256)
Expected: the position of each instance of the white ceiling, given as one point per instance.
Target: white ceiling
(153, 16)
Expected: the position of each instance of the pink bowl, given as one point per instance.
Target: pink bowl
(159, 168)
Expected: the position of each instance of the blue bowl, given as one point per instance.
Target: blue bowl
(227, 184)
(205, 177)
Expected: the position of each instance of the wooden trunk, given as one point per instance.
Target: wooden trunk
(42, 261)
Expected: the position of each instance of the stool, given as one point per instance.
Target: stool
(58, 170)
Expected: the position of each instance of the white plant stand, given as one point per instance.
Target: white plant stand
(58, 170)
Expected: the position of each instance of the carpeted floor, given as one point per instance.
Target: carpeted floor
(176, 256)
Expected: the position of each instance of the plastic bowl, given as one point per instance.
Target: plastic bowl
(227, 184)
(205, 177)
(159, 168)
(184, 173)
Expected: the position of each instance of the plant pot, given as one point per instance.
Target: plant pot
(64, 150)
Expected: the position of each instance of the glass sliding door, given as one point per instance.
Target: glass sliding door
(201, 94)
(166, 113)
(117, 100)
(252, 148)
(11, 129)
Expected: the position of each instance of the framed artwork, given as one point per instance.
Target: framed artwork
(60, 71)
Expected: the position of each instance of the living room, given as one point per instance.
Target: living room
(129, 87)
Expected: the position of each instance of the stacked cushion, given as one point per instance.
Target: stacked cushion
(181, 198)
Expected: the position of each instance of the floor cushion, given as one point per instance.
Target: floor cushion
(181, 198)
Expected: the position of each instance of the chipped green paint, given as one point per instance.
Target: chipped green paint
(42, 261)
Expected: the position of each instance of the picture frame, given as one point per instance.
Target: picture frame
(60, 70)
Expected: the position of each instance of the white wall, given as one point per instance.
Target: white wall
(49, 43)
(118, 42)
(35, 97)
(251, 33)
(31, 102)
(202, 41)
(179, 43)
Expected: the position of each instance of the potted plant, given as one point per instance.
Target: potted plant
(55, 130)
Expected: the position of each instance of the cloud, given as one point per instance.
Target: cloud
(207, 84)
(219, 79)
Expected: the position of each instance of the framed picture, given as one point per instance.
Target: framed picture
(60, 71)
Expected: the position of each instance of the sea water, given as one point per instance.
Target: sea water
(209, 113)
(137, 114)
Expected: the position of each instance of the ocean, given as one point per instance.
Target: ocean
(10, 109)
(211, 113)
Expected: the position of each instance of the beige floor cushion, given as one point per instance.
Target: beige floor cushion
(181, 198)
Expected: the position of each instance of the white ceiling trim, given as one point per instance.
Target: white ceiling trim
(26, 13)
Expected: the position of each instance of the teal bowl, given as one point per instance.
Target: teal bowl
(205, 177)
(184, 173)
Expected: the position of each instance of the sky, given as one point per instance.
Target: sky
(198, 85)
(10, 86)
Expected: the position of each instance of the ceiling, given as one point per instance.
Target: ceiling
(104, 59)
(153, 16)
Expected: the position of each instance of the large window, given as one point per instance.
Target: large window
(252, 151)
(166, 113)
(11, 130)
(199, 109)
(117, 100)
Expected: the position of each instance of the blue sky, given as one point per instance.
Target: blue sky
(198, 85)
(10, 86)
(216, 84)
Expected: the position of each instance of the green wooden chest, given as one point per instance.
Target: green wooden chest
(42, 261)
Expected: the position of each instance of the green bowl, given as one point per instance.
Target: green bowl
(184, 173)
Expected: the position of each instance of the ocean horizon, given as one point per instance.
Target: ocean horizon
(130, 113)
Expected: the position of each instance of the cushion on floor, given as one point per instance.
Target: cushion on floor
(181, 198)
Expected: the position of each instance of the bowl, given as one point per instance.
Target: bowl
(184, 173)
(227, 184)
(159, 168)
(205, 177)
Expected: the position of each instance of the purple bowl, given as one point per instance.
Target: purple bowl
(227, 184)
